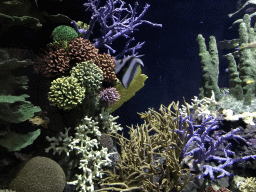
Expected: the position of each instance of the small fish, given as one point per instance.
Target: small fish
(250, 46)
(14, 2)
(127, 68)
(249, 81)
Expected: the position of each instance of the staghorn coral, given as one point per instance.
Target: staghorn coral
(40, 174)
(150, 159)
(82, 50)
(109, 95)
(88, 74)
(107, 64)
(66, 93)
(54, 63)
(115, 22)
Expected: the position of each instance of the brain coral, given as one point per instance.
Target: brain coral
(66, 92)
(89, 74)
(39, 174)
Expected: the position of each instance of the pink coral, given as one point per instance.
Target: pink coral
(109, 95)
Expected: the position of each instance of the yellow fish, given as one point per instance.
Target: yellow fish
(249, 81)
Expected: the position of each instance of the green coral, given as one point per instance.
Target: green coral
(210, 67)
(66, 92)
(62, 34)
(89, 75)
(15, 142)
(126, 94)
(13, 107)
(249, 185)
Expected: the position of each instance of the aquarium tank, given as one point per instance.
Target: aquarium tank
(127, 96)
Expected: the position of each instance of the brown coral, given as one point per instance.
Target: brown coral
(55, 62)
(107, 64)
(82, 50)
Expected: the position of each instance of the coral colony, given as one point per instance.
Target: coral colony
(71, 140)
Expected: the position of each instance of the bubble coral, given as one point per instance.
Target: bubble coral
(109, 95)
(88, 74)
(82, 50)
(107, 64)
(66, 92)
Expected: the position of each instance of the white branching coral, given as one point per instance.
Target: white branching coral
(201, 106)
(59, 143)
(108, 121)
(85, 142)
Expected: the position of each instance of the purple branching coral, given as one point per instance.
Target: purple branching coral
(119, 27)
(201, 147)
(109, 95)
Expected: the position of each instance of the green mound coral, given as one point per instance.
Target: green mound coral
(126, 94)
(39, 174)
(89, 75)
(150, 159)
(66, 93)
(62, 34)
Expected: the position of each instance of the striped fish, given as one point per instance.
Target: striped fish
(127, 68)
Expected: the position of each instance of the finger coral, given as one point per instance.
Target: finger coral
(88, 74)
(66, 92)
